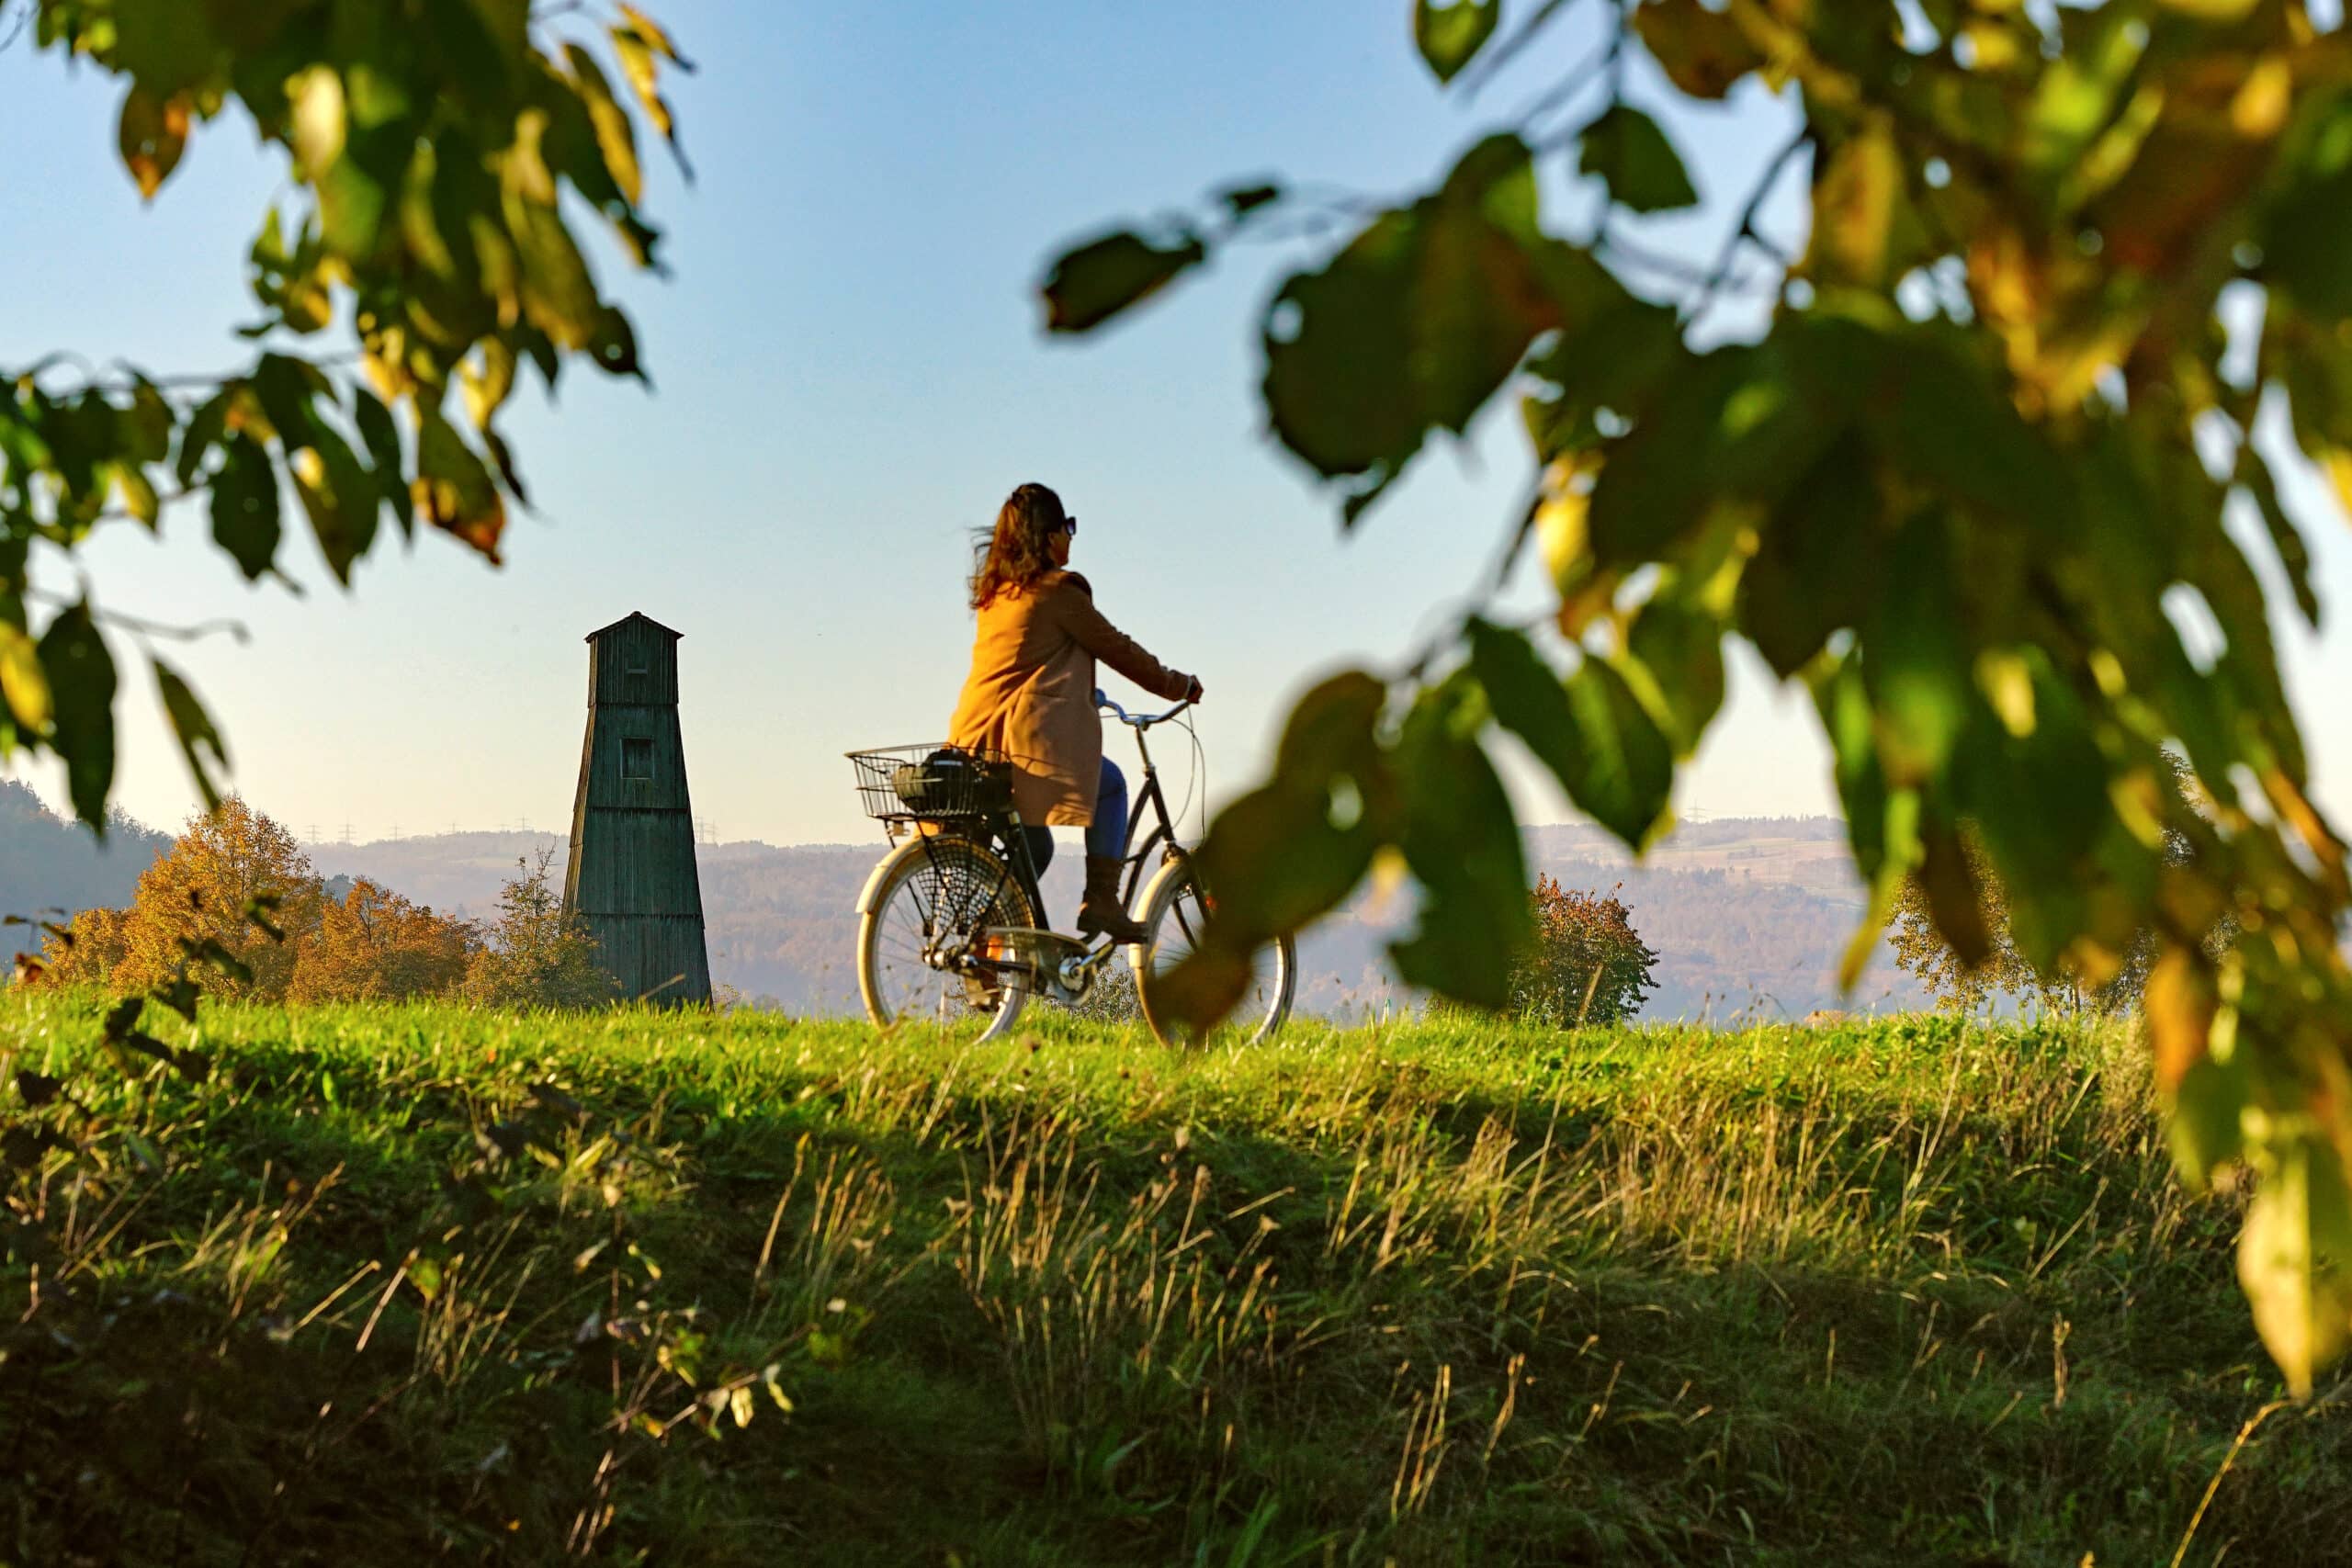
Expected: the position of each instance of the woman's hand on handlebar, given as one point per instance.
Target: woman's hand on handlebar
(1193, 688)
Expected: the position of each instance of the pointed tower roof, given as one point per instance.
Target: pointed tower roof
(632, 618)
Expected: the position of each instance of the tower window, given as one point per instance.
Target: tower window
(637, 759)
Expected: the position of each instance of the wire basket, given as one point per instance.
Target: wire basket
(932, 784)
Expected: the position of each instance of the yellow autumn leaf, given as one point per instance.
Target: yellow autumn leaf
(21, 680)
(1853, 204)
(2259, 110)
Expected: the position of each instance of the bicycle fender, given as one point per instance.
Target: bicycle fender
(882, 870)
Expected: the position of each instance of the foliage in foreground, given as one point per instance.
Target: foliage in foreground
(395, 1280)
(439, 154)
(2072, 292)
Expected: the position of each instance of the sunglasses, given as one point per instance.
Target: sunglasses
(1068, 525)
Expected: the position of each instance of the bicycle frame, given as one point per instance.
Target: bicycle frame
(1004, 837)
(1148, 794)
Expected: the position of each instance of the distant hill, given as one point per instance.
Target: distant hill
(48, 865)
(1749, 915)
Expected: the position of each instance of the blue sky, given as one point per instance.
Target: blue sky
(850, 376)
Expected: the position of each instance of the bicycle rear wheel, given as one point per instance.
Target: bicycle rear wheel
(922, 953)
(1173, 913)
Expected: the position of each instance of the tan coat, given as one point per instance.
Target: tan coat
(1030, 693)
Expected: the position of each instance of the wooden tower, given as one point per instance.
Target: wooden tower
(631, 880)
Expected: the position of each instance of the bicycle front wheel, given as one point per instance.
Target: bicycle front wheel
(923, 954)
(1173, 913)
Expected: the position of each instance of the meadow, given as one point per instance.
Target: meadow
(428, 1283)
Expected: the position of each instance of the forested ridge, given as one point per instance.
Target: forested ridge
(48, 863)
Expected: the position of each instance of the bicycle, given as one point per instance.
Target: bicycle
(951, 924)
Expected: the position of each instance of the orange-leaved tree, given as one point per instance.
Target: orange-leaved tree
(84, 950)
(374, 945)
(236, 899)
(1585, 964)
(2019, 306)
(232, 874)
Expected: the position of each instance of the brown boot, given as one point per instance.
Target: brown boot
(1099, 914)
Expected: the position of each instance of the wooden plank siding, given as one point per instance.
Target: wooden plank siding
(630, 879)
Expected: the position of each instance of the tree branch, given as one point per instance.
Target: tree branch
(140, 625)
(1746, 231)
(1494, 62)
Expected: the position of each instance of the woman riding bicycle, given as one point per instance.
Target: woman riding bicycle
(1031, 695)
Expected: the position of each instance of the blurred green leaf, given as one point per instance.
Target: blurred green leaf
(453, 489)
(1747, 422)
(1954, 897)
(1460, 838)
(1449, 33)
(615, 135)
(1918, 668)
(1590, 730)
(1415, 323)
(1702, 52)
(1627, 151)
(1854, 203)
(80, 672)
(23, 686)
(559, 293)
(1817, 560)
(1284, 853)
(382, 439)
(164, 45)
(152, 133)
(1680, 646)
(244, 506)
(1947, 424)
(340, 497)
(204, 428)
(193, 728)
(1102, 278)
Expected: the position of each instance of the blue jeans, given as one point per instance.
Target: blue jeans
(1106, 835)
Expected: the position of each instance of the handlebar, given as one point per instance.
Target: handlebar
(1138, 721)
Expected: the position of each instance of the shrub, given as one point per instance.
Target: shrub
(535, 956)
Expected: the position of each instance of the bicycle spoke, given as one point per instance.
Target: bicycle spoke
(932, 915)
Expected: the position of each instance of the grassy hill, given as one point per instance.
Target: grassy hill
(403, 1284)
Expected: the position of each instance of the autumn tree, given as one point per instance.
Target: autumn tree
(374, 945)
(2067, 287)
(84, 950)
(1585, 963)
(229, 864)
(438, 157)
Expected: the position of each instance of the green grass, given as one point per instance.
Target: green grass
(1908, 1292)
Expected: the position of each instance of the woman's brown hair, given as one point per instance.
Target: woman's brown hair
(1018, 551)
